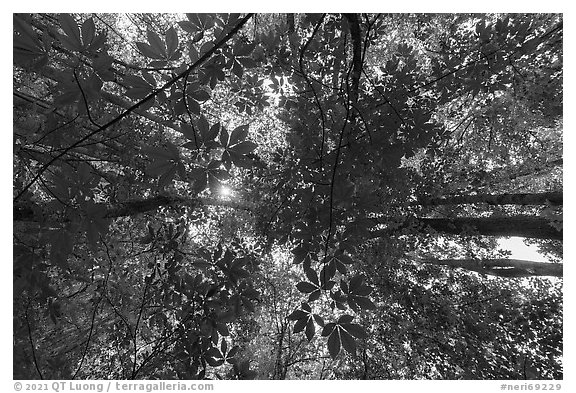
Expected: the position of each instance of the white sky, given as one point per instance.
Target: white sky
(520, 250)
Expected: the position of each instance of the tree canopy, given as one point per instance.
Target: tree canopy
(287, 196)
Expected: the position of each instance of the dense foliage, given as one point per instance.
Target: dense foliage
(286, 196)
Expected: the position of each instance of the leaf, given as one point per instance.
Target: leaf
(318, 320)
(315, 295)
(241, 49)
(224, 137)
(211, 134)
(222, 329)
(139, 88)
(161, 152)
(194, 106)
(159, 167)
(334, 343)
(340, 267)
(148, 51)
(300, 252)
(214, 352)
(214, 362)
(348, 342)
(88, 32)
(300, 325)
(223, 347)
(244, 147)
(200, 95)
(355, 330)
(220, 174)
(202, 21)
(137, 93)
(364, 290)
(327, 285)
(345, 319)
(364, 303)
(197, 37)
(297, 314)
(312, 276)
(237, 69)
(310, 329)
(171, 41)
(352, 304)
(149, 78)
(247, 62)
(233, 352)
(345, 259)
(167, 177)
(193, 54)
(61, 246)
(355, 283)
(328, 329)
(188, 26)
(327, 272)
(189, 132)
(239, 134)
(157, 44)
(203, 127)
(26, 37)
(70, 28)
(306, 287)
(181, 170)
(199, 179)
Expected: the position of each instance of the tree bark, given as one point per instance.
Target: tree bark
(502, 267)
(521, 226)
(544, 198)
(32, 212)
(356, 38)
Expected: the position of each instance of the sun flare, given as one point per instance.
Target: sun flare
(225, 191)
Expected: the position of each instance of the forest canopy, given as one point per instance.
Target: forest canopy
(287, 196)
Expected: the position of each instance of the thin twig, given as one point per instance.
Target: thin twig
(85, 100)
(31, 341)
(146, 286)
(94, 312)
(149, 97)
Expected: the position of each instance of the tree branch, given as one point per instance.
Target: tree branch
(356, 70)
(519, 225)
(149, 97)
(32, 341)
(502, 267)
(543, 198)
(316, 99)
(32, 212)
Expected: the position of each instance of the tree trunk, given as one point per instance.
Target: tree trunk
(502, 267)
(29, 211)
(522, 226)
(544, 198)
(290, 23)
